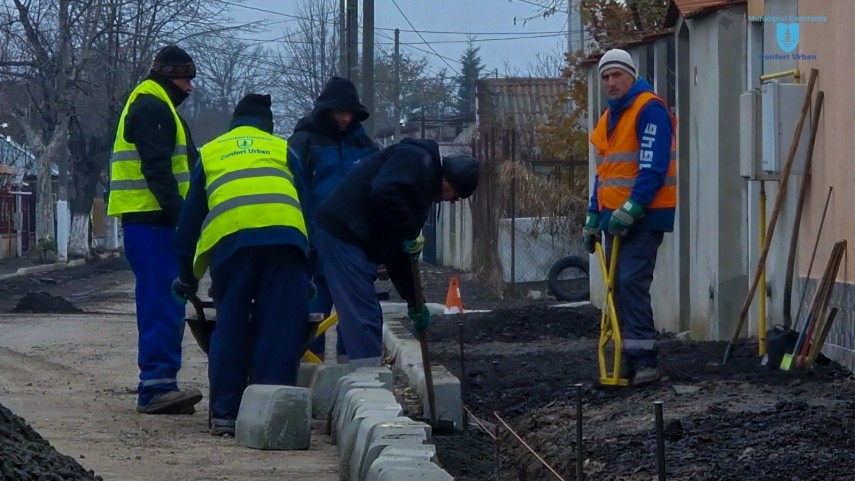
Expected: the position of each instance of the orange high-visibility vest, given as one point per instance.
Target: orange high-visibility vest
(618, 158)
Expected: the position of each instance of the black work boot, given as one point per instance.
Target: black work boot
(646, 375)
(172, 402)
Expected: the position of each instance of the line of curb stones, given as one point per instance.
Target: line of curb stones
(375, 441)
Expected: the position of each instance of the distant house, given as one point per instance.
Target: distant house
(508, 113)
(17, 204)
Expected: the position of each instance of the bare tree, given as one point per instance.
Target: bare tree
(232, 68)
(309, 57)
(79, 60)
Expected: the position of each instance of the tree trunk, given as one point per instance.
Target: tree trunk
(78, 241)
(89, 154)
(44, 200)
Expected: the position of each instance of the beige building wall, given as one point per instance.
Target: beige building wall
(833, 165)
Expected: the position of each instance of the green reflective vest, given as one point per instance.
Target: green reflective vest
(129, 190)
(248, 185)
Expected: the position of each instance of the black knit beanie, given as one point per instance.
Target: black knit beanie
(255, 106)
(173, 62)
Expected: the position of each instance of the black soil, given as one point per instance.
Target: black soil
(38, 302)
(808, 435)
(49, 292)
(26, 456)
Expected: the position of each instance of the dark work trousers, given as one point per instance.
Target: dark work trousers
(350, 276)
(636, 263)
(323, 304)
(160, 315)
(261, 296)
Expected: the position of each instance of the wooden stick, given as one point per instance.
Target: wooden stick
(826, 328)
(811, 318)
(819, 319)
(779, 201)
(800, 204)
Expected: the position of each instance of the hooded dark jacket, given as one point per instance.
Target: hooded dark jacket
(320, 154)
(151, 127)
(385, 200)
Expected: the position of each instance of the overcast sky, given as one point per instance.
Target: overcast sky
(490, 21)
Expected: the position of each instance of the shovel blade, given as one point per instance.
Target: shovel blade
(787, 362)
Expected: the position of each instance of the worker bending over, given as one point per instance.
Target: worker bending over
(243, 220)
(376, 216)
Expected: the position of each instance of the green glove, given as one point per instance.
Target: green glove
(414, 246)
(591, 231)
(623, 218)
(420, 318)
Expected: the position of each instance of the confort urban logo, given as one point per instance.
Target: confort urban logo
(787, 35)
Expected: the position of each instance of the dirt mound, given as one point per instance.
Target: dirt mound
(794, 440)
(38, 302)
(521, 324)
(25, 455)
(735, 421)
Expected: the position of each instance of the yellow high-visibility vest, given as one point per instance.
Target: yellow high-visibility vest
(129, 191)
(248, 185)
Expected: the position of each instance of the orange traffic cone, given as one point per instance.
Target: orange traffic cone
(453, 302)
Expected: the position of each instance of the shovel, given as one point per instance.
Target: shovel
(201, 327)
(438, 427)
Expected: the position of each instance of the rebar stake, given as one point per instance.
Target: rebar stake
(498, 448)
(580, 475)
(660, 440)
(494, 375)
(462, 375)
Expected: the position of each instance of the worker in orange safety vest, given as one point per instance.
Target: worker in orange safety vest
(634, 197)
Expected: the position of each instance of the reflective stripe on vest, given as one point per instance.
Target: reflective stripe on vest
(617, 159)
(129, 191)
(248, 185)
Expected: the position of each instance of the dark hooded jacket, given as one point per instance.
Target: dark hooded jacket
(319, 153)
(151, 126)
(385, 200)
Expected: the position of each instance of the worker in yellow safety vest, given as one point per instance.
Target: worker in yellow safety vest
(244, 222)
(634, 197)
(149, 176)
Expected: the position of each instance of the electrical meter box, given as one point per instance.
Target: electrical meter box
(781, 105)
(749, 135)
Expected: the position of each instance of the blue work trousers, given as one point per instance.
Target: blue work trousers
(636, 263)
(261, 297)
(350, 276)
(150, 251)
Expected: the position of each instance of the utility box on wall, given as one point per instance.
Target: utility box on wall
(749, 136)
(781, 105)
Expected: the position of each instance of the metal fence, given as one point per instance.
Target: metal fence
(526, 211)
(10, 216)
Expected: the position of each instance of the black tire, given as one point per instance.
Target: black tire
(557, 289)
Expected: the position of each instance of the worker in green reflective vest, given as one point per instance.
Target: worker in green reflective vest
(149, 177)
(243, 220)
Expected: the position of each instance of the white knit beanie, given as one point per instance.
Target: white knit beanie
(617, 58)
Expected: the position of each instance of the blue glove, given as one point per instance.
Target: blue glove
(623, 218)
(420, 318)
(591, 231)
(414, 247)
(182, 290)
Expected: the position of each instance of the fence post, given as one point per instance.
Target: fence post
(513, 212)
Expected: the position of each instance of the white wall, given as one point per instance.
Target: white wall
(454, 235)
(535, 249)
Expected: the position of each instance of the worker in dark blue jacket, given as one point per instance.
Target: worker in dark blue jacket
(376, 216)
(324, 147)
(243, 220)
